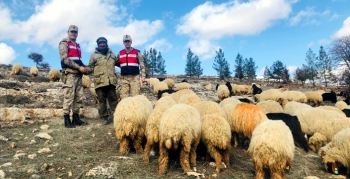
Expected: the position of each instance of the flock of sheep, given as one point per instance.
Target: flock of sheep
(275, 121)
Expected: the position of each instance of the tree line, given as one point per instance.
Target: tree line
(319, 67)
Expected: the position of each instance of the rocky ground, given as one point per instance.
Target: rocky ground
(35, 144)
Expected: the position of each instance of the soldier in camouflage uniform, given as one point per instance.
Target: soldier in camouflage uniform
(101, 64)
(72, 71)
(130, 59)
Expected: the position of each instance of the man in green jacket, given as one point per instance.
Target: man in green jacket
(101, 64)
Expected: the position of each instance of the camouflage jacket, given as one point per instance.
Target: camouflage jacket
(63, 50)
(102, 68)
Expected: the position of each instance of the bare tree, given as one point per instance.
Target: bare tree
(340, 50)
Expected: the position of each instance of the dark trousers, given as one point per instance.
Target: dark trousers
(106, 93)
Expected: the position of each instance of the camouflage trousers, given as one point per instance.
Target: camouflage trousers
(129, 86)
(104, 94)
(73, 93)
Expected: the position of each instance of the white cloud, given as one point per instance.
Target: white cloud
(50, 21)
(344, 30)
(291, 69)
(310, 16)
(7, 54)
(209, 22)
(160, 45)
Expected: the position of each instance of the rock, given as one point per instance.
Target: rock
(2, 138)
(32, 156)
(44, 127)
(311, 177)
(12, 114)
(44, 150)
(19, 155)
(6, 164)
(32, 142)
(44, 135)
(13, 145)
(2, 174)
(34, 176)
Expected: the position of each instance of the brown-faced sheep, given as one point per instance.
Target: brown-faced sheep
(314, 97)
(130, 119)
(54, 75)
(152, 125)
(180, 128)
(216, 136)
(16, 69)
(270, 106)
(243, 118)
(223, 92)
(338, 150)
(271, 147)
(33, 71)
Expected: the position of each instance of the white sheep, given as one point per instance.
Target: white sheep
(180, 128)
(272, 146)
(209, 107)
(314, 97)
(54, 75)
(159, 86)
(297, 96)
(16, 69)
(33, 71)
(189, 98)
(179, 93)
(216, 136)
(338, 150)
(183, 85)
(170, 82)
(223, 92)
(229, 100)
(270, 106)
(341, 105)
(271, 94)
(130, 119)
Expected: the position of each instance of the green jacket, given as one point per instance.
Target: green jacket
(102, 68)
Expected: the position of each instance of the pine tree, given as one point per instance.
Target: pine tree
(190, 66)
(239, 67)
(285, 75)
(267, 73)
(310, 66)
(277, 70)
(221, 66)
(198, 69)
(325, 65)
(249, 68)
(147, 62)
(301, 75)
(160, 64)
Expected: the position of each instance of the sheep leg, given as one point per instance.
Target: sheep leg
(226, 157)
(184, 159)
(216, 155)
(123, 146)
(163, 159)
(193, 155)
(148, 147)
(259, 172)
(236, 140)
(137, 144)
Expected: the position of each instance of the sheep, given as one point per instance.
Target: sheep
(179, 93)
(170, 82)
(159, 86)
(189, 98)
(270, 106)
(271, 94)
(209, 107)
(243, 118)
(167, 91)
(294, 125)
(341, 105)
(294, 96)
(314, 97)
(256, 89)
(152, 125)
(223, 92)
(182, 85)
(338, 150)
(33, 71)
(331, 96)
(180, 128)
(271, 146)
(331, 108)
(16, 69)
(229, 87)
(216, 136)
(239, 89)
(152, 81)
(316, 141)
(130, 119)
(229, 100)
(292, 107)
(54, 75)
(208, 86)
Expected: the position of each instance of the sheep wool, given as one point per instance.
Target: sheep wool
(341, 105)
(331, 108)
(33, 71)
(229, 100)
(271, 94)
(54, 75)
(159, 86)
(170, 82)
(189, 99)
(216, 136)
(243, 118)
(183, 85)
(180, 128)
(272, 147)
(270, 106)
(130, 119)
(179, 93)
(338, 150)
(314, 97)
(152, 125)
(16, 69)
(294, 96)
(223, 92)
(209, 107)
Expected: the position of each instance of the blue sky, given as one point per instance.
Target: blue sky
(265, 30)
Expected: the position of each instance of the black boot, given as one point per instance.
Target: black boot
(67, 122)
(106, 120)
(77, 121)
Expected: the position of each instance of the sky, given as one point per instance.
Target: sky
(265, 30)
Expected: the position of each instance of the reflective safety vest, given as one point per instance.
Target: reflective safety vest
(129, 63)
(74, 54)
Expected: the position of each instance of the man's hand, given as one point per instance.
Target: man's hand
(143, 79)
(82, 69)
